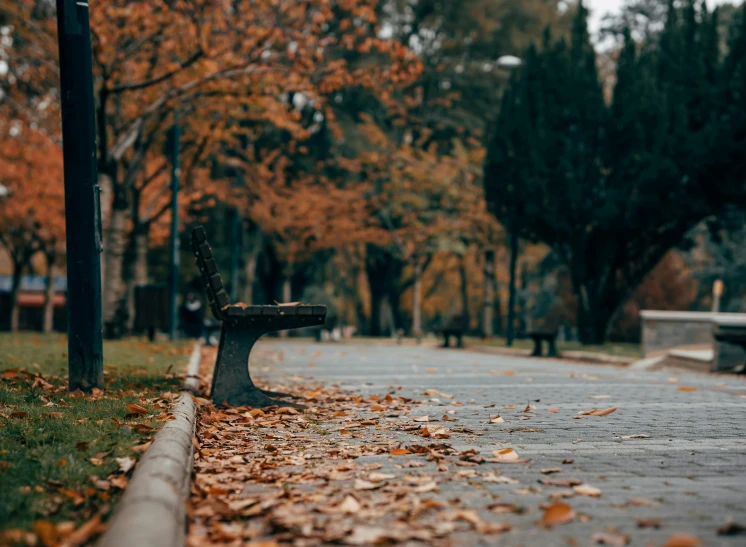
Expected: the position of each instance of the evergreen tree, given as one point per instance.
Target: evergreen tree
(611, 188)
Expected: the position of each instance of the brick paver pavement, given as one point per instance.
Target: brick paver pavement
(684, 449)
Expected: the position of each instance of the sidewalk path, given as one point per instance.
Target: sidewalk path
(671, 459)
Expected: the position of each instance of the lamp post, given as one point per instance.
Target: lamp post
(82, 202)
(175, 139)
(511, 62)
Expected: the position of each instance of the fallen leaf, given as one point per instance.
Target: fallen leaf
(506, 454)
(421, 419)
(558, 513)
(427, 487)
(378, 477)
(350, 505)
(568, 461)
(399, 452)
(638, 436)
(120, 481)
(642, 502)
(686, 388)
(554, 410)
(84, 533)
(587, 490)
(136, 409)
(125, 464)
(491, 477)
(496, 420)
(683, 540)
(551, 470)
(648, 523)
(430, 371)
(604, 412)
(96, 461)
(505, 508)
(565, 483)
(616, 540)
(19, 415)
(361, 484)
(376, 407)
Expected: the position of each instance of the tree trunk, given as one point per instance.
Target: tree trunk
(287, 286)
(48, 325)
(464, 291)
(138, 271)
(114, 283)
(510, 327)
(524, 321)
(593, 318)
(251, 259)
(488, 297)
(15, 288)
(417, 300)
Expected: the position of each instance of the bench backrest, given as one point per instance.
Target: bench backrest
(212, 283)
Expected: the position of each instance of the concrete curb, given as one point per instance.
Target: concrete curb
(152, 511)
(191, 383)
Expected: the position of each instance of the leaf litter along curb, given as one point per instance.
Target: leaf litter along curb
(283, 476)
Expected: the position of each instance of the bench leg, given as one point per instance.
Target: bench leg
(447, 343)
(231, 382)
(459, 341)
(537, 348)
(552, 349)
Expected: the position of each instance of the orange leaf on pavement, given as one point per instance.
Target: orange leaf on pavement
(558, 513)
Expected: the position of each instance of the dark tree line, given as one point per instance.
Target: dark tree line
(613, 185)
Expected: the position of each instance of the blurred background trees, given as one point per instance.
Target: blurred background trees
(377, 156)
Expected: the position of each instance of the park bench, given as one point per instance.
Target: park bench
(540, 336)
(732, 334)
(242, 326)
(455, 326)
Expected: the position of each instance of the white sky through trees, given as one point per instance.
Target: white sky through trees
(599, 8)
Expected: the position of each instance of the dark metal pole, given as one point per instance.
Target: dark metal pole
(236, 254)
(174, 285)
(82, 207)
(510, 328)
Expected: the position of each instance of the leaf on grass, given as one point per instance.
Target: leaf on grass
(136, 409)
(558, 513)
(608, 538)
(96, 461)
(83, 534)
(120, 481)
(587, 490)
(82, 446)
(19, 415)
(125, 464)
(683, 540)
(142, 428)
(686, 388)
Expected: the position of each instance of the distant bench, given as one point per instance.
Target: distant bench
(242, 326)
(735, 335)
(455, 326)
(540, 336)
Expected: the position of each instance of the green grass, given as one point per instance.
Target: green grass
(610, 348)
(48, 435)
